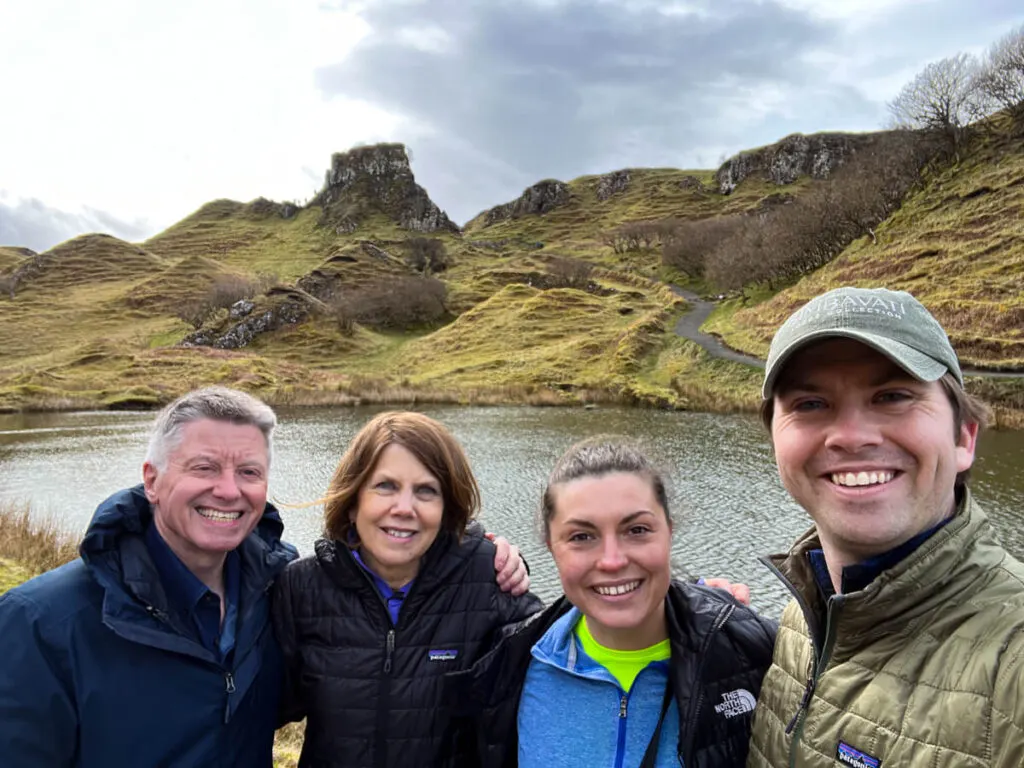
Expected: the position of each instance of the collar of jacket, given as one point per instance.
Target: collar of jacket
(441, 559)
(933, 574)
(135, 602)
(694, 614)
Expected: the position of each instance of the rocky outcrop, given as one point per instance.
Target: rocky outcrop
(377, 178)
(612, 184)
(288, 307)
(542, 197)
(692, 182)
(262, 208)
(798, 155)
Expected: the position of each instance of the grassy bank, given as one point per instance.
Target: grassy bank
(31, 544)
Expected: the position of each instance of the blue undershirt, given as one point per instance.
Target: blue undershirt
(393, 598)
(193, 601)
(857, 576)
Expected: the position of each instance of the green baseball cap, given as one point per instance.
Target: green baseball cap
(891, 322)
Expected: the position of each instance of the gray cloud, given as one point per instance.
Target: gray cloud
(520, 91)
(500, 94)
(30, 223)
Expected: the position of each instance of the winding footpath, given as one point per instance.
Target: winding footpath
(688, 327)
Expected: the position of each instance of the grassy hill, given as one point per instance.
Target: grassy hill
(957, 244)
(542, 304)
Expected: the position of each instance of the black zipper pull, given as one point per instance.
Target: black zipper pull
(389, 650)
(804, 702)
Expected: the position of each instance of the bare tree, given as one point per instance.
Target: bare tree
(1002, 73)
(943, 99)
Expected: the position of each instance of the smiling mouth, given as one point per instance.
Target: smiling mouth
(615, 590)
(398, 534)
(858, 479)
(218, 516)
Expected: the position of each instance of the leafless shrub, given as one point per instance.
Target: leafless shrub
(570, 273)
(686, 244)
(632, 236)
(426, 254)
(402, 303)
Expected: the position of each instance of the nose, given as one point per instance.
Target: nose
(853, 428)
(227, 486)
(612, 556)
(403, 502)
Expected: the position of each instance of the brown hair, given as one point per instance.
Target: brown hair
(596, 457)
(967, 409)
(430, 442)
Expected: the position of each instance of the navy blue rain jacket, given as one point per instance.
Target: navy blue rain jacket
(96, 671)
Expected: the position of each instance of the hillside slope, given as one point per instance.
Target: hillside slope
(540, 298)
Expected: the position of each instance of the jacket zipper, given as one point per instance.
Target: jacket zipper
(389, 649)
(691, 722)
(229, 687)
(620, 744)
(820, 663)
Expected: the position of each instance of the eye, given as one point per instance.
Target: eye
(807, 405)
(893, 396)
(639, 530)
(427, 492)
(251, 473)
(579, 537)
(385, 485)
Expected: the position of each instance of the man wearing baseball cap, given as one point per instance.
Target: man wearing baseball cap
(904, 645)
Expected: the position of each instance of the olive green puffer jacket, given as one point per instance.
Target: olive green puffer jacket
(924, 667)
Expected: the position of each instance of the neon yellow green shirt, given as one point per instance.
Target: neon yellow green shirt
(624, 666)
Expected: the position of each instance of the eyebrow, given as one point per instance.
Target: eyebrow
(632, 517)
(895, 376)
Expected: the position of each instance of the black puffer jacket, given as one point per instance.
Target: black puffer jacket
(719, 649)
(372, 691)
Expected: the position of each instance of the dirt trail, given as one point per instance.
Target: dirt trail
(689, 325)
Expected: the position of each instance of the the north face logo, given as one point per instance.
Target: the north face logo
(737, 702)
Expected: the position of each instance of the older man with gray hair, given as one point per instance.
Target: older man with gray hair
(904, 645)
(155, 647)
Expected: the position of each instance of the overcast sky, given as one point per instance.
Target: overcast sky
(123, 116)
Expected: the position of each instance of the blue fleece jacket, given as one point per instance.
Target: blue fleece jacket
(574, 712)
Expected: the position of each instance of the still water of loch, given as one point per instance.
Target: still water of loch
(725, 491)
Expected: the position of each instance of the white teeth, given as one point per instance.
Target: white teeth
(852, 479)
(398, 534)
(216, 514)
(618, 589)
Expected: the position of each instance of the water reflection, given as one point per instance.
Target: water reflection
(725, 492)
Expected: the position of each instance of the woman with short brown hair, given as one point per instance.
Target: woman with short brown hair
(399, 593)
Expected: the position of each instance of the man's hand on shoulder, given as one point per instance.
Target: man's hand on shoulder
(739, 591)
(512, 575)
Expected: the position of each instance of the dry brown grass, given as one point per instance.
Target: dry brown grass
(33, 543)
(288, 745)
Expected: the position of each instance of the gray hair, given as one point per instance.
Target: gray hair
(598, 456)
(217, 403)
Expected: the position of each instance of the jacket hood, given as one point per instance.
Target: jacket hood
(128, 513)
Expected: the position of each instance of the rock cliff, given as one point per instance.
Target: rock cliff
(377, 178)
(798, 155)
(540, 198)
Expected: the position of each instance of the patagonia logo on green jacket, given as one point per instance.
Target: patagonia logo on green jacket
(847, 755)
